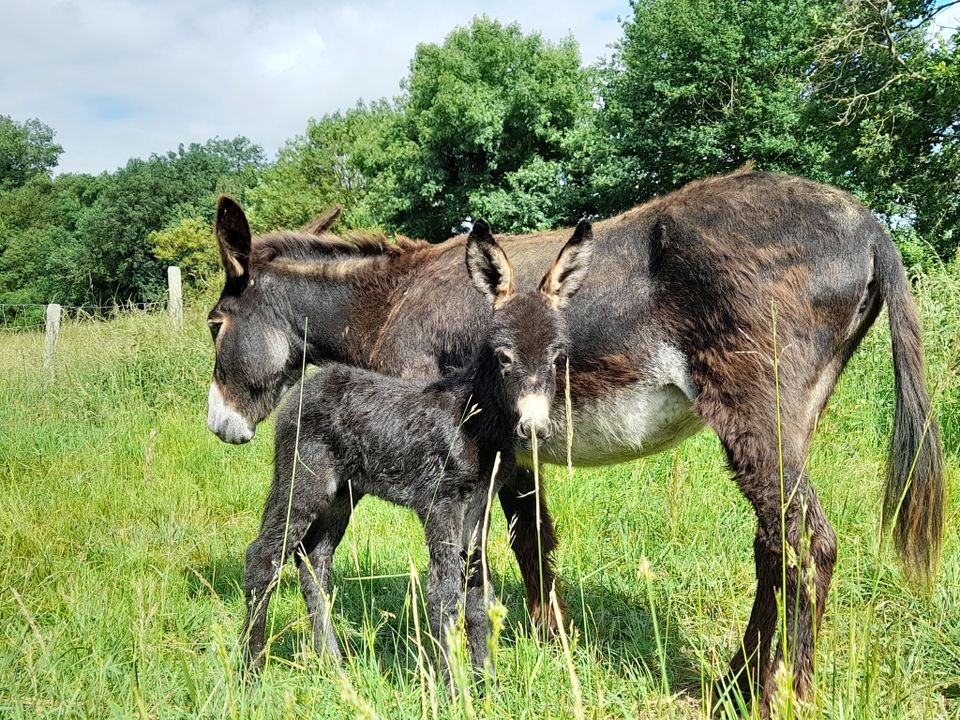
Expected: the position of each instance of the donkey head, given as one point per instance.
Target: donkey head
(528, 333)
(255, 360)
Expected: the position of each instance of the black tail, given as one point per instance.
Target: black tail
(914, 497)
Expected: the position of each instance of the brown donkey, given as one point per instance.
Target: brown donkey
(734, 302)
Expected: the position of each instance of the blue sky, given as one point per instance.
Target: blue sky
(124, 78)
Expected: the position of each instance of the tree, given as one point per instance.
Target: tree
(189, 245)
(698, 87)
(486, 121)
(887, 91)
(329, 164)
(26, 149)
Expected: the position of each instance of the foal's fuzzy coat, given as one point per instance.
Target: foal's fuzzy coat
(422, 446)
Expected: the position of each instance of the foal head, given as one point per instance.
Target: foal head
(528, 333)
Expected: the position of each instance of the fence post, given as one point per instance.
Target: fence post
(52, 333)
(175, 302)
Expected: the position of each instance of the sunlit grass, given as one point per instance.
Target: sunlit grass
(123, 523)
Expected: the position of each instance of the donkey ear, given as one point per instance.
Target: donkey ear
(488, 265)
(569, 270)
(324, 221)
(233, 236)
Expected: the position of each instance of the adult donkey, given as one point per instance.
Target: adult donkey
(734, 302)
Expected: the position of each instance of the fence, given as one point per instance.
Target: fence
(25, 317)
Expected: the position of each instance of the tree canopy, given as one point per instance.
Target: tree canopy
(501, 123)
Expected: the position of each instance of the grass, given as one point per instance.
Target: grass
(123, 524)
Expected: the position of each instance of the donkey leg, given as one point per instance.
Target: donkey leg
(277, 541)
(479, 588)
(445, 577)
(533, 550)
(314, 562)
(751, 662)
(810, 559)
(795, 551)
(478, 600)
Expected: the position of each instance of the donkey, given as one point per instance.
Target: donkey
(690, 300)
(430, 447)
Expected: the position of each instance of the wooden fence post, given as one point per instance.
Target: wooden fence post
(52, 333)
(175, 302)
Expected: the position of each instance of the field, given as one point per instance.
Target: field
(123, 524)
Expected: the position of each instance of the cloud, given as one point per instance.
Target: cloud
(124, 78)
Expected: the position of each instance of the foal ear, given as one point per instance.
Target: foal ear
(488, 265)
(324, 221)
(233, 237)
(569, 270)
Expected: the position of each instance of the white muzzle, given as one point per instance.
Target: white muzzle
(225, 422)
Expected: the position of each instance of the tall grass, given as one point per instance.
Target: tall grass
(123, 523)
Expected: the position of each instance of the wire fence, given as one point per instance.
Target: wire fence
(31, 317)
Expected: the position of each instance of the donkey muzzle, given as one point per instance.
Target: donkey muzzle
(534, 411)
(224, 421)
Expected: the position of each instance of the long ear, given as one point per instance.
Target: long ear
(324, 221)
(569, 270)
(488, 265)
(233, 236)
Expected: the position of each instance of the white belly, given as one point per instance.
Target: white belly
(637, 420)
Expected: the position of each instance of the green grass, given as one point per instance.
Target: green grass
(123, 524)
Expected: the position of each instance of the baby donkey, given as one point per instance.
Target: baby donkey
(419, 445)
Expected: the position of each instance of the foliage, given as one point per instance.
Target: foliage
(26, 149)
(326, 166)
(698, 87)
(500, 123)
(486, 119)
(888, 89)
(188, 244)
(78, 239)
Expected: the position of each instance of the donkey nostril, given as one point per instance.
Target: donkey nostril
(522, 430)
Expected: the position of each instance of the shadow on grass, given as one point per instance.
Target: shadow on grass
(618, 627)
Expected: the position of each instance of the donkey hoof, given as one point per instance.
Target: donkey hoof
(546, 620)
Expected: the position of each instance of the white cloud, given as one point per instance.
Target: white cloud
(124, 78)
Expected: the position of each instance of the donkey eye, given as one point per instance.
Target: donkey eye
(505, 358)
(214, 326)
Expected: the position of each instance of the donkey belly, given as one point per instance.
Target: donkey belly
(637, 420)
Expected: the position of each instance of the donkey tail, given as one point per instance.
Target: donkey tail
(914, 495)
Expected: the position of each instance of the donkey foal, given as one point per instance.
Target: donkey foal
(421, 446)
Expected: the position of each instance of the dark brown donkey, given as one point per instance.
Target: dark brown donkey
(734, 302)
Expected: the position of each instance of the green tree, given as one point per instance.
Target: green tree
(188, 244)
(26, 149)
(147, 196)
(698, 87)
(486, 125)
(333, 162)
(887, 94)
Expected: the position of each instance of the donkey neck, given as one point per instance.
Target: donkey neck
(478, 398)
(335, 308)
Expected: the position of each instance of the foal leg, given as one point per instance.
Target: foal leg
(478, 601)
(445, 580)
(314, 561)
(479, 589)
(286, 518)
(534, 554)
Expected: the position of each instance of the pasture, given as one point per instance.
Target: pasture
(123, 523)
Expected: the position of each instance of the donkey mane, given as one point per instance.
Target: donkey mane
(306, 246)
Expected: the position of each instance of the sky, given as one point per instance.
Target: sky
(121, 78)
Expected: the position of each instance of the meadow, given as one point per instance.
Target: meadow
(123, 523)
